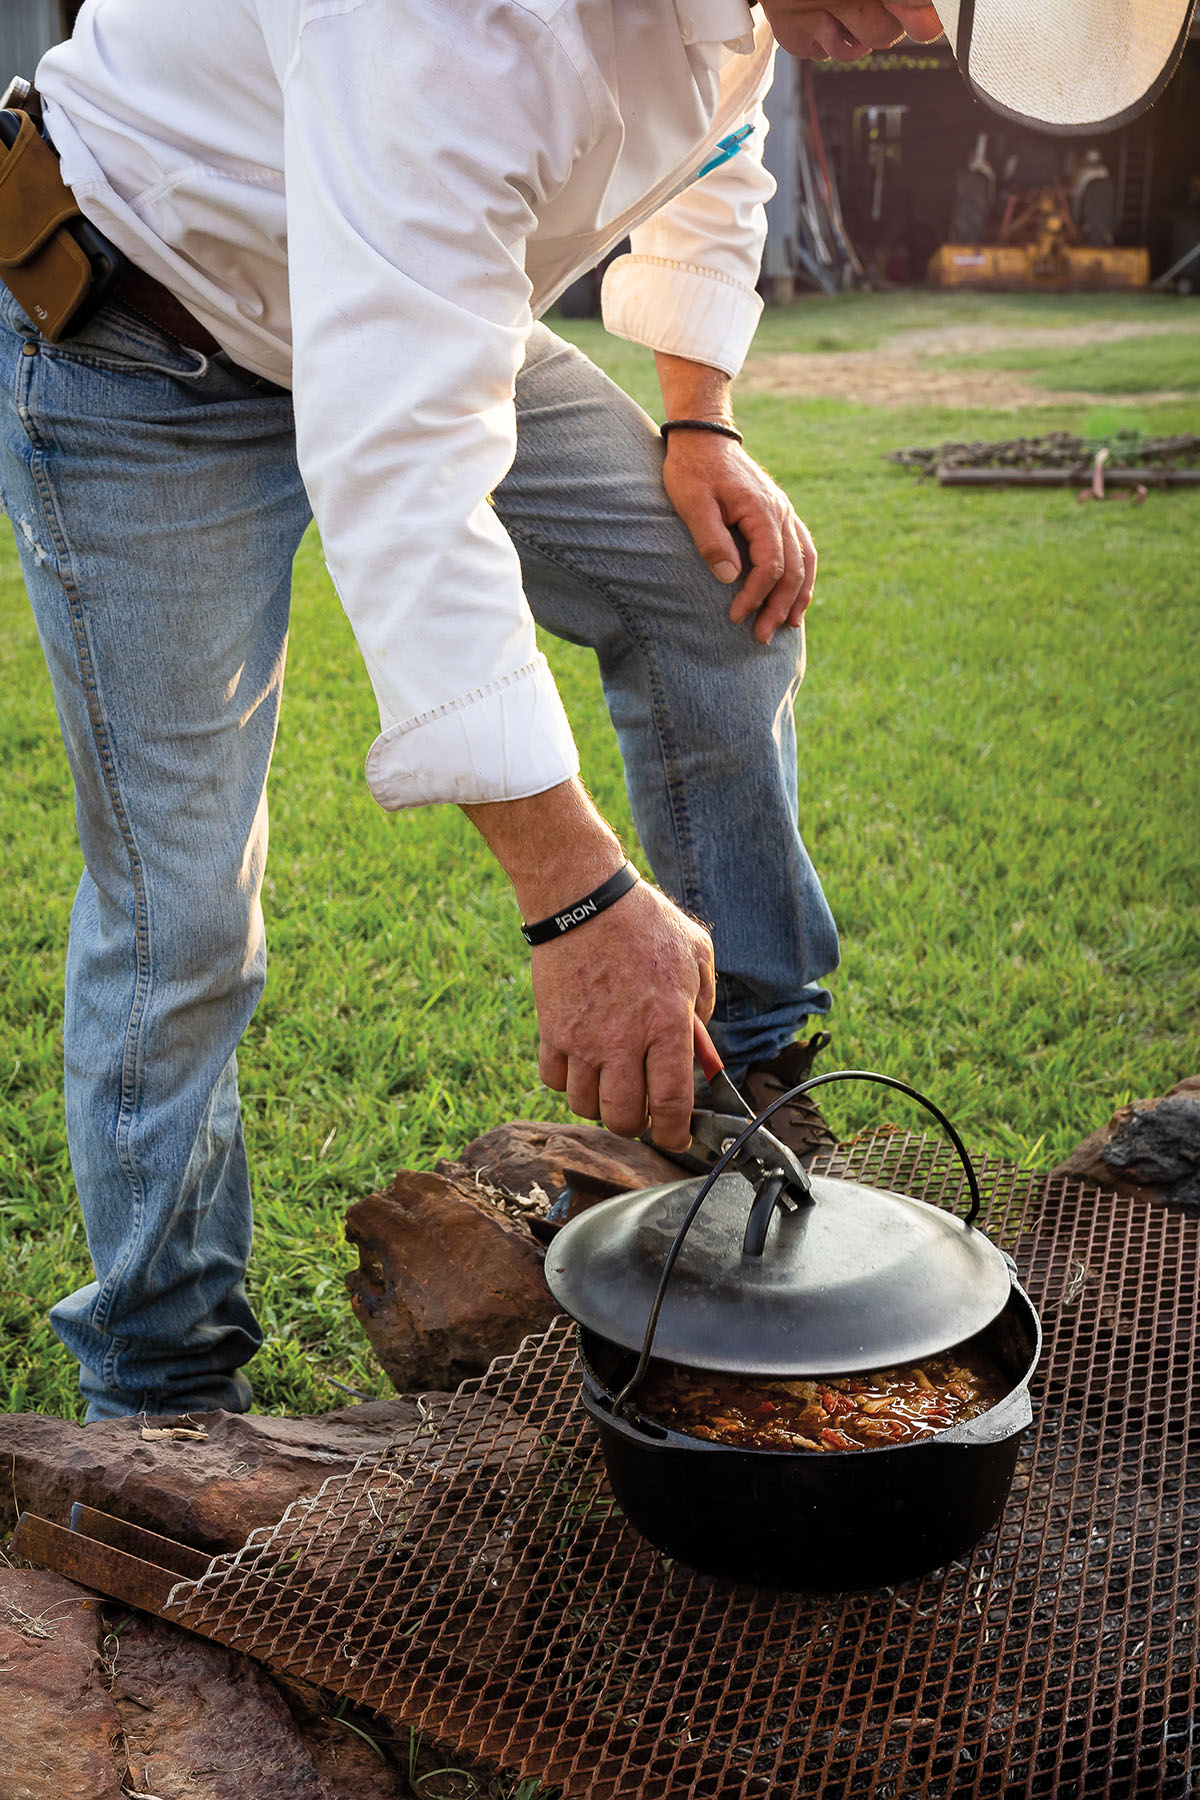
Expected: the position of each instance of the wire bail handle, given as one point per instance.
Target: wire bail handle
(621, 1402)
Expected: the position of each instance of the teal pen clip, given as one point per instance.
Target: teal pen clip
(726, 147)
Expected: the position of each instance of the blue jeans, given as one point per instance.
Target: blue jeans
(157, 507)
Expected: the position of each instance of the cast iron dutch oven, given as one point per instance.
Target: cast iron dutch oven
(755, 1271)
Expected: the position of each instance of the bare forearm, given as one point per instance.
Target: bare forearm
(554, 847)
(692, 390)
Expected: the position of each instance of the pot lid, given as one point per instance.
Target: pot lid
(861, 1278)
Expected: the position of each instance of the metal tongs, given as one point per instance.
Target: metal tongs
(762, 1158)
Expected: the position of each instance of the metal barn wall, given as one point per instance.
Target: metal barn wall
(27, 30)
(783, 109)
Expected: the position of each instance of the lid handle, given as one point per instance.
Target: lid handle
(771, 1192)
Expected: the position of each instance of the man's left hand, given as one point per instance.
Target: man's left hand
(845, 30)
(716, 488)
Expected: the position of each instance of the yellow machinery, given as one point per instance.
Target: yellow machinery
(1064, 266)
(1054, 236)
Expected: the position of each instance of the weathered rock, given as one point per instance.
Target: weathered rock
(446, 1282)
(90, 1713)
(60, 1732)
(210, 1495)
(450, 1273)
(351, 1750)
(1150, 1146)
(520, 1155)
(203, 1723)
(1160, 1149)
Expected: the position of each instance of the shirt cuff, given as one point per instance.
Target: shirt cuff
(505, 741)
(682, 310)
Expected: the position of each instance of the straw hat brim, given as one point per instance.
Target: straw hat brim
(1067, 66)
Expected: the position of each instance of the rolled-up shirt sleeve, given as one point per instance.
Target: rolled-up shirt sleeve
(410, 192)
(688, 284)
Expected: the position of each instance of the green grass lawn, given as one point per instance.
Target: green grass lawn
(998, 776)
(862, 321)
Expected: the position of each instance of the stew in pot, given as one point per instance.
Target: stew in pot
(842, 1412)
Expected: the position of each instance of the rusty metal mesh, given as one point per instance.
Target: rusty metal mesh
(479, 1586)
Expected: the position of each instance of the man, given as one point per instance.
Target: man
(342, 218)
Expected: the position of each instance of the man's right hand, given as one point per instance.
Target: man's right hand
(615, 997)
(615, 1001)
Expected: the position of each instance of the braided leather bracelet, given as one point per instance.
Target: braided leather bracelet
(729, 431)
(596, 902)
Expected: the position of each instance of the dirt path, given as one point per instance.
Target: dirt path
(901, 372)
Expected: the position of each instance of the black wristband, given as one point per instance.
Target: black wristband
(596, 902)
(729, 431)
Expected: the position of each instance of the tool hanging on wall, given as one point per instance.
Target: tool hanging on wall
(879, 129)
(823, 246)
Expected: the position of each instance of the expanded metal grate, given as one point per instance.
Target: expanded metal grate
(481, 1587)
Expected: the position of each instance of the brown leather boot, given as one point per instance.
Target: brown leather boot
(800, 1125)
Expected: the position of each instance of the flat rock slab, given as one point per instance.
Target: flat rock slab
(97, 1703)
(210, 1495)
(204, 1723)
(59, 1729)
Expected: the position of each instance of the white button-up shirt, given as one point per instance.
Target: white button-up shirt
(371, 201)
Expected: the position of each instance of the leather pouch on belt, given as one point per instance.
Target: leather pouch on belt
(42, 266)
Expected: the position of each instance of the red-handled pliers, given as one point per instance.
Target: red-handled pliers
(714, 1130)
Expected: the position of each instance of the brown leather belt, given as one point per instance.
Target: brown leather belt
(151, 301)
